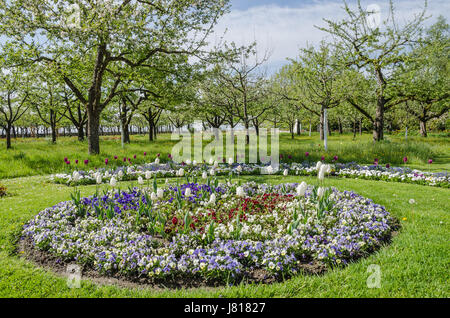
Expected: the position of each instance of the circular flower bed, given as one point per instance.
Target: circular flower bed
(212, 232)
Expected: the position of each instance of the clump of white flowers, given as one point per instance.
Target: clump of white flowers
(113, 182)
(240, 192)
(301, 188)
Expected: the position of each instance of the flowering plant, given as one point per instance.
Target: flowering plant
(223, 232)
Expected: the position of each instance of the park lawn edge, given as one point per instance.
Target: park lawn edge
(414, 265)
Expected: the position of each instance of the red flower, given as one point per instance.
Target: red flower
(174, 220)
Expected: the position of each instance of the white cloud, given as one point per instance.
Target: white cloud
(284, 30)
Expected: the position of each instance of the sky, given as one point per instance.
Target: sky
(284, 26)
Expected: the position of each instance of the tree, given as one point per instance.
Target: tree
(424, 77)
(14, 97)
(107, 39)
(378, 50)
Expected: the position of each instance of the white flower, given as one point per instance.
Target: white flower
(240, 192)
(212, 172)
(204, 175)
(230, 161)
(140, 180)
(181, 172)
(239, 169)
(318, 165)
(113, 182)
(194, 163)
(153, 196)
(216, 164)
(148, 174)
(187, 192)
(212, 199)
(285, 172)
(269, 170)
(211, 161)
(188, 162)
(320, 192)
(160, 193)
(412, 201)
(301, 188)
(120, 173)
(321, 174)
(98, 179)
(76, 176)
(157, 161)
(129, 170)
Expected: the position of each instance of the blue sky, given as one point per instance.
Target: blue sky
(284, 26)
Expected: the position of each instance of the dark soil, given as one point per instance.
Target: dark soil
(48, 261)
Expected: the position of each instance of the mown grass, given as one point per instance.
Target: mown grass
(39, 157)
(415, 264)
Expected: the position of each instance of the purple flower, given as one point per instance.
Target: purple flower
(388, 165)
(106, 161)
(335, 158)
(86, 161)
(65, 159)
(405, 159)
(76, 161)
(322, 158)
(306, 154)
(430, 161)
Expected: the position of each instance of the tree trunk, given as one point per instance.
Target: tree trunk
(93, 135)
(360, 126)
(53, 133)
(298, 127)
(423, 128)
(340, 126)
(322, 123)
(80, 133)
(8, 136)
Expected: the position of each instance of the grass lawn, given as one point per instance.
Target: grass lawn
(31, 157)
(416, 264)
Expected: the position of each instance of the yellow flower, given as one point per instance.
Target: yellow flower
(404, 219)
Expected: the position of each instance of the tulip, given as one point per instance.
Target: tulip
(113, 182)
(153, 196)
(405, 159)
(98, 179)
(194, 163)
(115, 157)
(230, 161)
(216, 164)
(335, 158)
(211, 161)
(160, 193)
(318, 165)
(140, 180)
(301, 188)
(430, 161)
(269, 170)
(212, 199)
(320, 192)
(322, 158)
(240, 192)
(204, 175)
(187, 192)
(306, 154)
(157, 161)
(76, 176)
(174, 220)
(145, 153)
(148, 174)
(285, 172)
(158, 155)
(65, 159)
(86, 162)
(212, 172)
(134, 156)
(239, 169)
(76, 161)
(388, 165)
(181, 172)
(106, 161)
(188, 162)
(120, 173)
